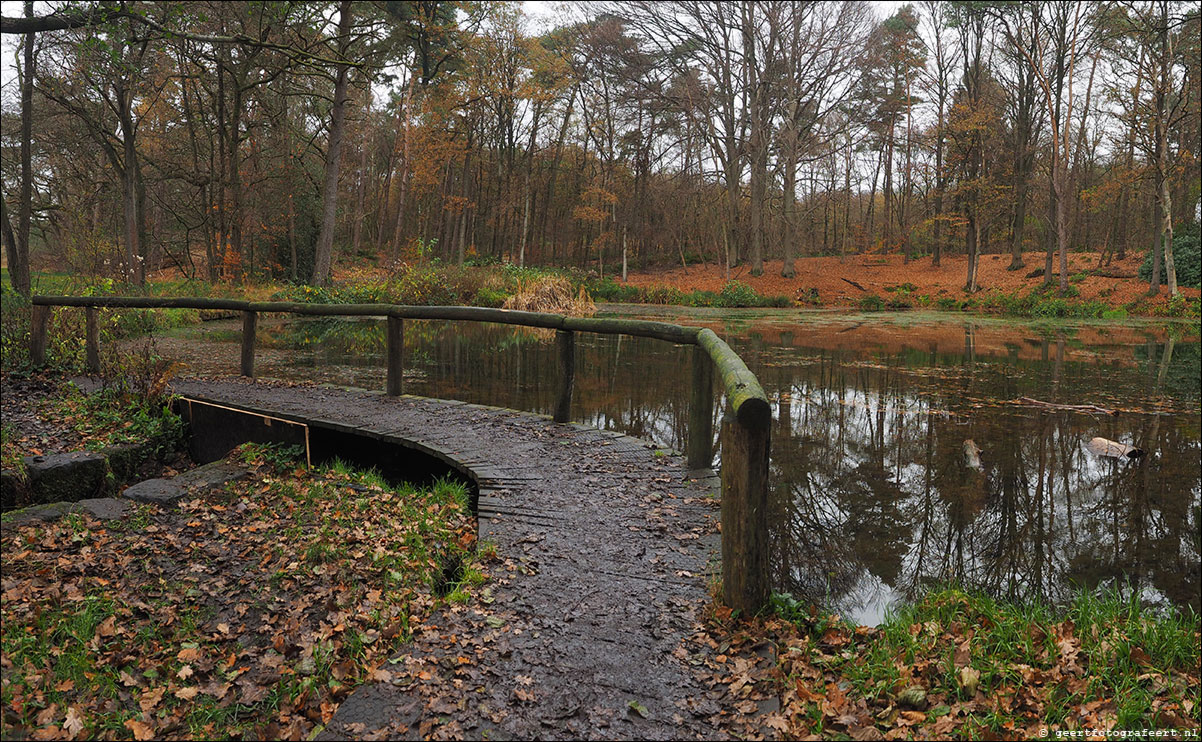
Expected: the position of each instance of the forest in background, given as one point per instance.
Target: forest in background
(238, 141)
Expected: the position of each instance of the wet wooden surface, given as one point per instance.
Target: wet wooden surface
(605, 547)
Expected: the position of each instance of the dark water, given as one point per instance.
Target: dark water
(875, 498)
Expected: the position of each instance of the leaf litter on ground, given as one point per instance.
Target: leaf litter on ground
(247, 614)
(954, 666)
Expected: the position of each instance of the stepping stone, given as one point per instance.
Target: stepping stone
(100, 508)
(69, 476)
(171, 490)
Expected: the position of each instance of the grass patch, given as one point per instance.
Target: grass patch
(732, 295)
(112, 416)
(962, 665)
(11, 451)
(251, 613)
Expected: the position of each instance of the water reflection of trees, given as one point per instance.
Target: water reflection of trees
(872, 484)
(872, 488)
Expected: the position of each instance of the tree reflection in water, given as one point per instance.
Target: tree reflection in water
(875, 498)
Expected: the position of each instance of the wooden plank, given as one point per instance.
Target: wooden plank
(93, 340)
(395, 350)
(701, 411)
(565, 340)
(249, 321)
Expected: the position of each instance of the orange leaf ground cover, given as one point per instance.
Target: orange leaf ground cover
(877, 273)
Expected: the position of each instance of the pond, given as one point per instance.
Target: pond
(878, 492)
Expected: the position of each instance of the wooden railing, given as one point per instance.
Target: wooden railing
(745, 439)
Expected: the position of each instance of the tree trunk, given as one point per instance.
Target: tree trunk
(759, 182)
(361, 191)
(1060, 182)
(18, 249)
(1019, 223)
(329, 197)
(1051, 236)
(788, 268)
(129, 182)
(973, 240)
(1162, 149)
(403, 176)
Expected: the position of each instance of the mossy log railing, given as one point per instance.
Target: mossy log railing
(744, 439)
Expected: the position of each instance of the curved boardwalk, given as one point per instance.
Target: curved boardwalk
(584, 628)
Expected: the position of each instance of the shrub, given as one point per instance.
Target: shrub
(14, 328)
(1187, 255)
(738, 294)
(489, 297)
(552, 294)
(948, 303)
(871, 303)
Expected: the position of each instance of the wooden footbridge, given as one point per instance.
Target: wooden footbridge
(607, 544)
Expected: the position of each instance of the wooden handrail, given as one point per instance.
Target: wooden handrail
(745, 437)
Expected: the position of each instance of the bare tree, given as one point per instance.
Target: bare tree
(329, 196)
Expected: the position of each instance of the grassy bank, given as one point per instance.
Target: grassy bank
(434, 283)
(247, 614)
(957, 665)
(1042, 302)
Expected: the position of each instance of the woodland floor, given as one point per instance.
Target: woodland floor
(830, 276)
(590, 619)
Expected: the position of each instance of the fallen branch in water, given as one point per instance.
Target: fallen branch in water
(1092, 409)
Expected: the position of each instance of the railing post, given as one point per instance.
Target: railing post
(249, 321)
(701, 411)
(39, 320)
(92, 322)
(746, 439)
(565, 340)
(395, 342)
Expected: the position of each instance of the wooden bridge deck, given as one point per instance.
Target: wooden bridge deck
(605, 549)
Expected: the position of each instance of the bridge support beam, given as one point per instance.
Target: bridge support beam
(701, 411)
(395, 347)
(92, 342)
(565, 342)
(249, 321)
(39, 322)
(746, 438)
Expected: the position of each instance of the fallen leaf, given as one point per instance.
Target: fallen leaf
(47, 715)
(969, 680)
(73, 724)
(141, 730)
(150, 699)
(1140, 657)
(188, 654)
